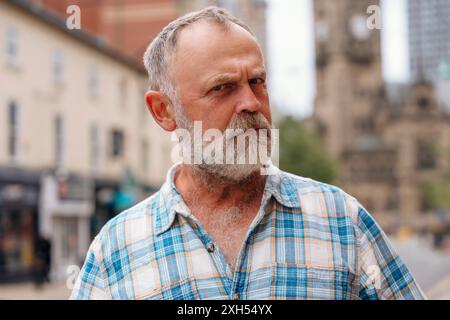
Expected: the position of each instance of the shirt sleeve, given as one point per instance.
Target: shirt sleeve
(91, 282)
(383, 274)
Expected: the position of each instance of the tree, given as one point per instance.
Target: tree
(437, 192)
(302, 153)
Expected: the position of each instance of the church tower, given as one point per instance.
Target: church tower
(348, 71)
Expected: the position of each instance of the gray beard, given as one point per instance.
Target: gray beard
(225, 173)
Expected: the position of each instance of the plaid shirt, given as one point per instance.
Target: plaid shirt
(309, 240)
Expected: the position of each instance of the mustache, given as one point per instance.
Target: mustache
(240, 124)
(249, 121)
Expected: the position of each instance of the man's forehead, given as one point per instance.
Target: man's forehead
(204, 38)
(207, 48)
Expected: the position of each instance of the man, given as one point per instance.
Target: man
(226, 230)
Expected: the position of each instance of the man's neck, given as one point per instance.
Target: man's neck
(213, 192)
(225, 210)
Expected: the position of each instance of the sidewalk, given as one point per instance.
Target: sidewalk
(441, 291)
(429, 266)
(27, 291)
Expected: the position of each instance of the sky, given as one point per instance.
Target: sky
(291, 51)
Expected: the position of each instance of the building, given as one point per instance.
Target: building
(390, 140)
(77, 144)
(348, 61)
(129, 25)
(125, 25)
(429, 37)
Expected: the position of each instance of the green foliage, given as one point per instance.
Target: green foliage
(437, 193)
(302, 153)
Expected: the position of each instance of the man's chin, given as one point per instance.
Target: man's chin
(229, 173)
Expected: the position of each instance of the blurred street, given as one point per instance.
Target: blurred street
(27, 291)
(430, 267)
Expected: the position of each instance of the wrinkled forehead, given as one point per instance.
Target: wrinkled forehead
(206, 44)
(208, 29)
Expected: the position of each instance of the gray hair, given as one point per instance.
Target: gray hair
(161, 49)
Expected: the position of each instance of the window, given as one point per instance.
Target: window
(59, 141)
(58, 66)
(393, 200)
(425, 156)
(93, 81)
(12, 47)
(94, 139)
(425, 203)
(13, 131)
(67, 227)
(364, 125)
(117, 143)
(123, 92)
(423, 103)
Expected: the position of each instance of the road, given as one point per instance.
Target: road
(430, 267)
(27, 291)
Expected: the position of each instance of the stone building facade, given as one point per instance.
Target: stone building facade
(77, 143)
(391, 140)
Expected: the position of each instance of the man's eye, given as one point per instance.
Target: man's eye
(256, 81)
(218, 87)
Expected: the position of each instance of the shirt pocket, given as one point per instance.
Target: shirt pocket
(180, 290)
(297, 281)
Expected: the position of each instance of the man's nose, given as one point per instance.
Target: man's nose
(247, 101)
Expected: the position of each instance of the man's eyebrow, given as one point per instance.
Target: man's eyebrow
(260, 73)
(222, 78)
(229, 77)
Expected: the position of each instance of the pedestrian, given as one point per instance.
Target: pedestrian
(42, 262)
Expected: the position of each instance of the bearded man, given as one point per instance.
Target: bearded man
(227, 229)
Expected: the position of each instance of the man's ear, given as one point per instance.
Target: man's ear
(160, 108)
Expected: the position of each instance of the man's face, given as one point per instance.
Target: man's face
(220, 78)
(219, 74)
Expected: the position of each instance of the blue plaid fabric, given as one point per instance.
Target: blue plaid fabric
(309, 240)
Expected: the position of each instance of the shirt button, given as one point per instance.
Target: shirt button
(235, 296)
(210, 247)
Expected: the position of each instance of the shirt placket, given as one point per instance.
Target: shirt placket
(240, 275)
(233, 280)
(222, 267)
(220, 263)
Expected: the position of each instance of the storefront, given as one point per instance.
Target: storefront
(105, 191)
(19, 194)
(113, 197)
(66, 209)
